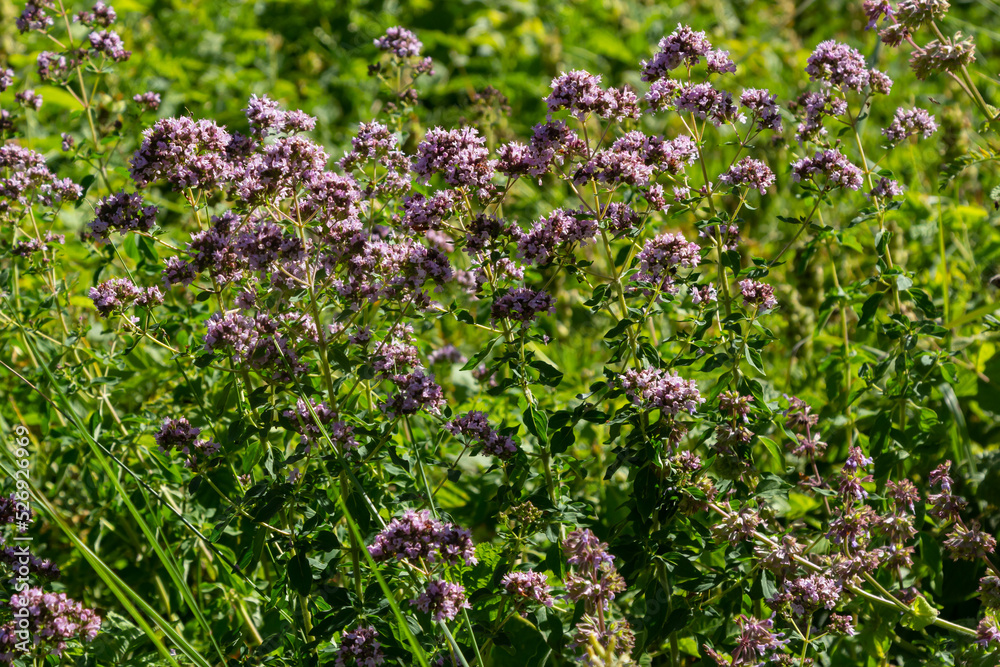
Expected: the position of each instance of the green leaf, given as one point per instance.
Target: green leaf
(870, 308)
(921, 614)
(481, 355)
(537, 423)
(300, 573)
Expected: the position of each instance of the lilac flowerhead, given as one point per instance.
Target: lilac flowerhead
(442, 600)
(989, 591)
(737, 527)
(719, 62)
(418, 535)
(763, 108)
(339, 432)
(585, 550)
(757, 641)
(100, 15)
(400, 42)
(751, 173)
(123, 213)
(415, 392)
(109, 44)
(707, 103)
(184, 152)
(838, 65)
(267, 117)
(52, 66)
(662, 255)
(875, 10)
(970, 543)
(908, 122)
(34, 17)
(832, 164)
(940, 477)
(579, 91)
(118, 294)
(421, 214)
(360, 648)
(528, 586)
(560, 228)
(812, 592)
(662, 94)
(6, 78)
(948, 56)
(476, 426)
(148, 101)
(757, 295)
(29, 99)
(914, 13)
(903, 494)
(652, 388)
(682, 46)
(51, 619)
(885, 189)
(460, 156)
(987, 634)
(523, 304)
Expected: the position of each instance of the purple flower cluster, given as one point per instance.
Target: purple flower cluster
(533, 586)
(53, 66)
(843, 67)
(252, 340)
(340, 433)
(26, 180)
(414, 392)
(523, 305)
(52, 620)
(360, 648)
(34, 17)
(148, 101)
(908, 122)
(757, 644)
(757, 295)
(750, 172)
(580, 92)
(683, 46)
(460, 156)
(560, 228)
(179, 435)
(118, 294)
(100, 15)
(596, 581)
(184, 152)
(814, 107)
(832, 164)
(708, 103)
(11, 508)
(418, 535)
(108, 43)
(20, 556)
(914, 13)
(123, 213)
(660, 258)
(936, 56)
(400, 42)
(652, 388)
(763, 108)
(477, 427)
(266, 117)
(442, 600)
(737, 527)
(29, 99)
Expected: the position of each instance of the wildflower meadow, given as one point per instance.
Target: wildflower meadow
(496, 334)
